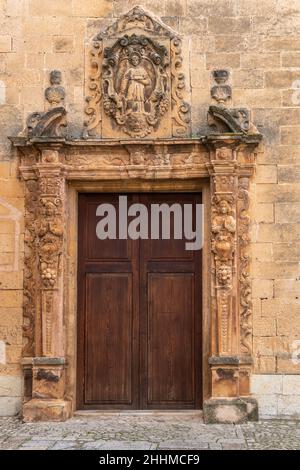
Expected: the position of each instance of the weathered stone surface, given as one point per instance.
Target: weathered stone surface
(10, 406)
(262, 288)
(262, 251)
(291, 385)
(156, 431)
(264, 327)
(266, 384)
(267, 174)
(53, 410)
(287, 213)
(225, 411)
(10, 386)
(287, 288)
(5, 43)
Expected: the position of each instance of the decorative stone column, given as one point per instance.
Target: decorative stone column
(230, 360)
(47, 228)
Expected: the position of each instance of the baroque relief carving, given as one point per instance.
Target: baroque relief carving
(44, 222)
(221, 92)
(30, 267)
(221, 118)
(136, 84)
(47, 166)
(223, 229)
(136, 79)
(49, 236)
(49, 123)
(244, 259)
(55, 93)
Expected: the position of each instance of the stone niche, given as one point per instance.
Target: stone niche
(136, 138)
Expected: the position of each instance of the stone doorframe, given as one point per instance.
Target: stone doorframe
(54, 171)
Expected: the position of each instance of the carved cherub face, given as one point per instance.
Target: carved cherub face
(224, 274)
(135, 60)
(223, 207)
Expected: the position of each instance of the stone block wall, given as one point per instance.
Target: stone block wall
(259, 42)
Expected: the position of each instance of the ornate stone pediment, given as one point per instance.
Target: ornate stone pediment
(136, 87)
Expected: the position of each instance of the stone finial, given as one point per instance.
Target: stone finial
(50, 122)
(55, 77)
(221, 92)
(55, 93)
(221, 118)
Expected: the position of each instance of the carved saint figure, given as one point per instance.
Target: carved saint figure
(223, 225)
(134, 83)
(224, 221)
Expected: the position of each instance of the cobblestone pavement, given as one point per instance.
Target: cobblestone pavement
(120, 431)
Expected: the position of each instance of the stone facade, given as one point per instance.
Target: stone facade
(257, 44)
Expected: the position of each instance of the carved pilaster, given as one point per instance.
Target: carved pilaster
(223, 246)
(50, 240)
(43, 283)
(231, 305)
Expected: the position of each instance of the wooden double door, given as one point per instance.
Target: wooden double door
(139, 314)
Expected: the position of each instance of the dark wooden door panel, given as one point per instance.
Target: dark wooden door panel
(139, 315)
(170, 341)
(108, 324)
(109, 329)
(170, 317)
(96, 249)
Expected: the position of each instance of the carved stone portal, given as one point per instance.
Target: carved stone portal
(136, 89)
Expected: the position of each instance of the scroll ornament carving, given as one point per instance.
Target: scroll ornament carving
(139, 18)
(244, 260)
(136, 84)
(180, 108)
(92, 108)
(30, 284)
(222, 118)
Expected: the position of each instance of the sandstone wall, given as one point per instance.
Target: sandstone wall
(259, 42)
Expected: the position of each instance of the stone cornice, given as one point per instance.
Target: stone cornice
(211, 140)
